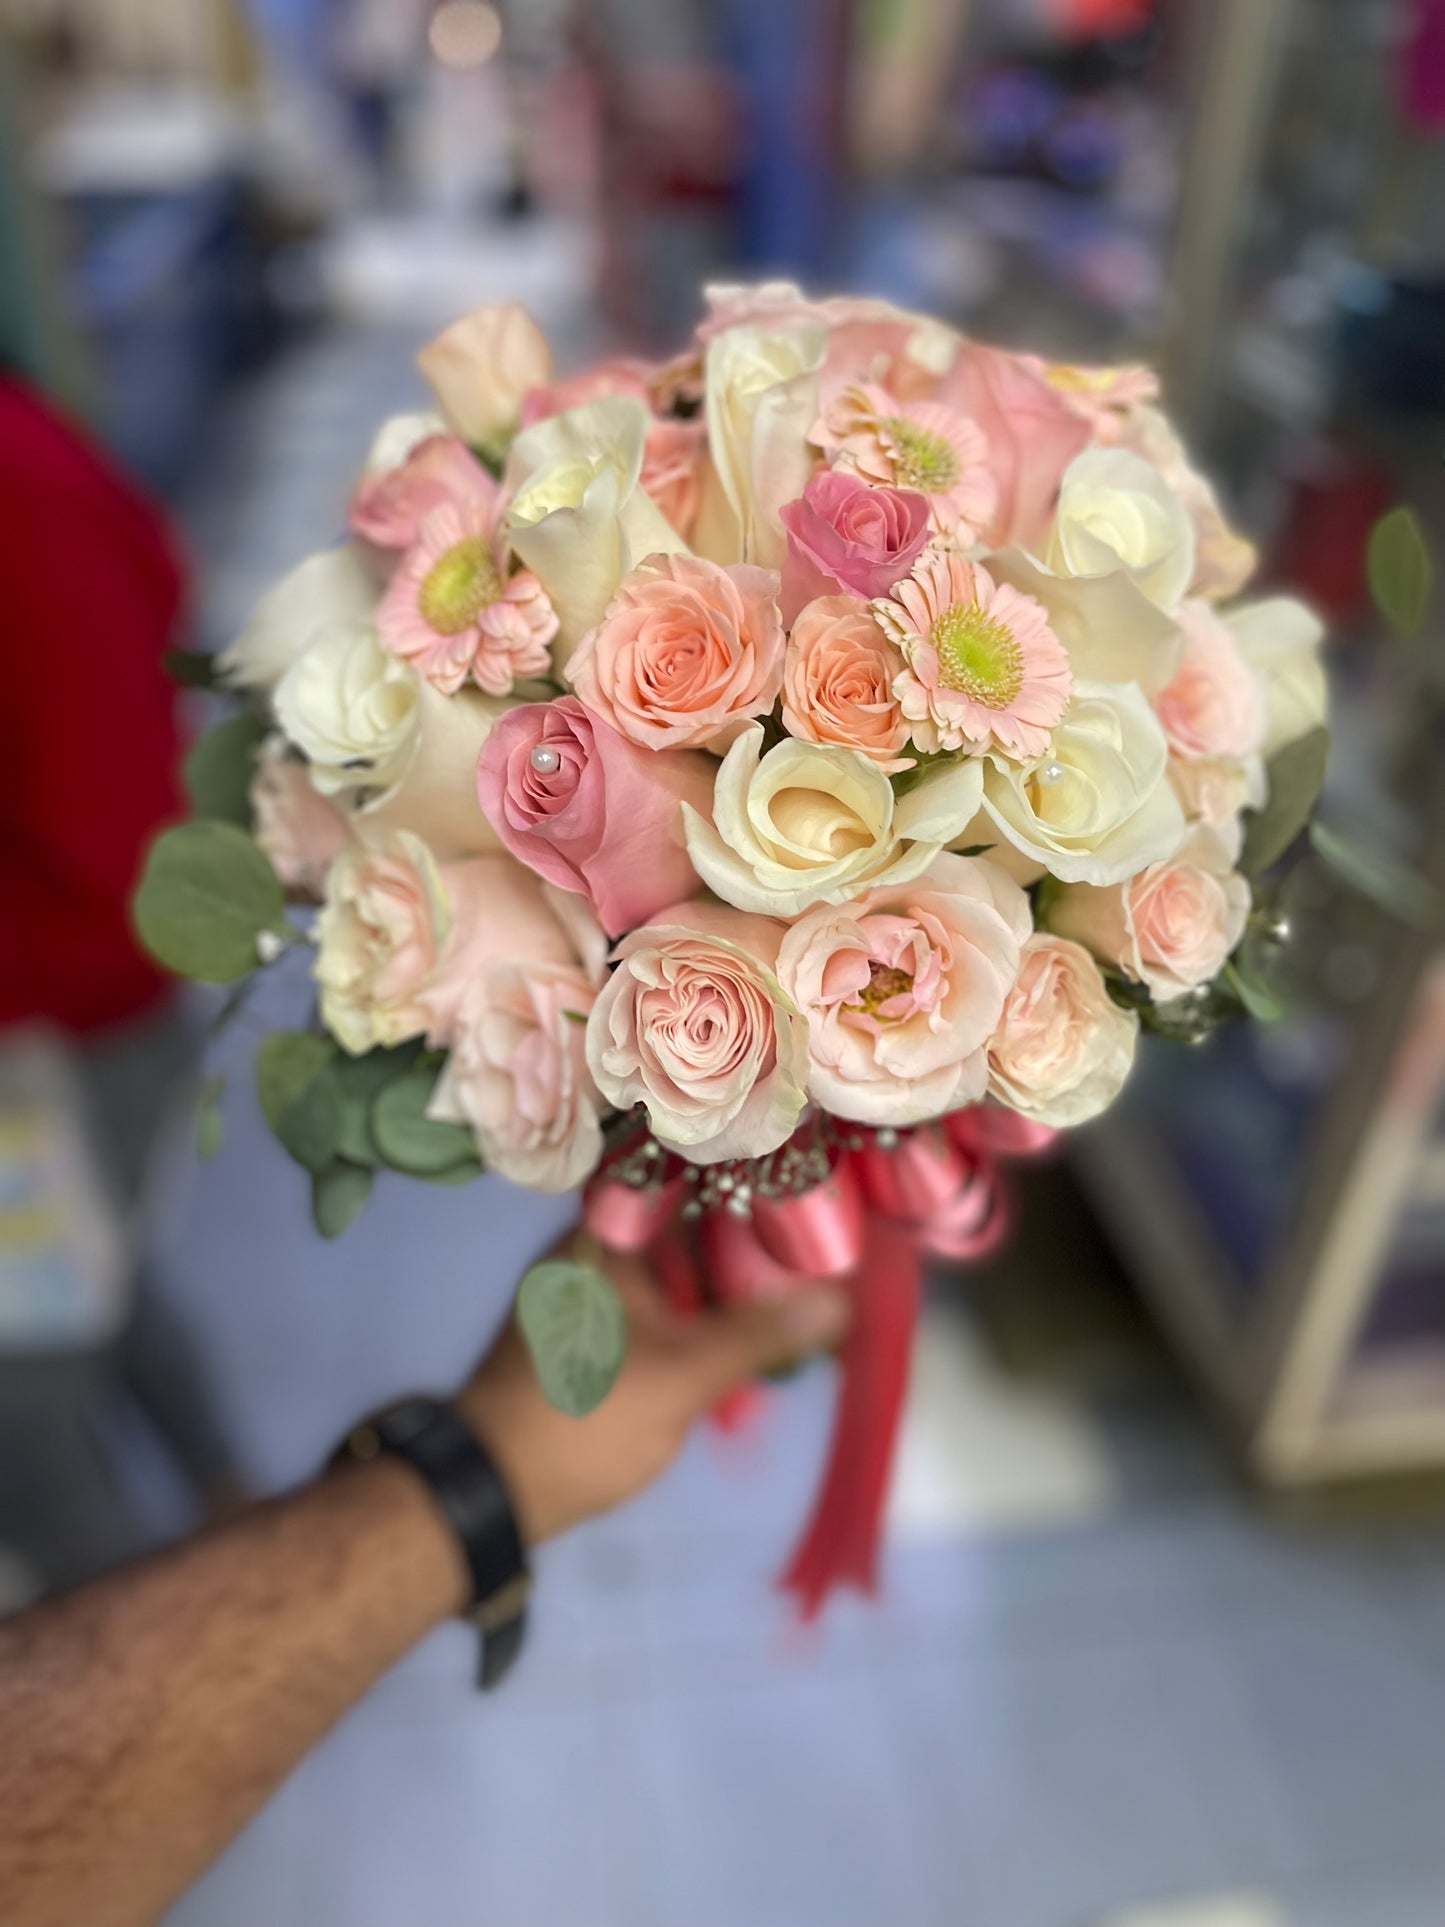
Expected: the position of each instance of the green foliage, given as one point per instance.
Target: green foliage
(207, 894)
(191, 669)
(408, 1140)
(1398, 565)
(219, 769)
(1381, 878)
(337, 1194)
(1253, 991)
(576, 1330)
(1296, 776)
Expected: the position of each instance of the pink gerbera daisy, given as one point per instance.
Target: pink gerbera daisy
(985, 670)
(453, 611)
(922, 445)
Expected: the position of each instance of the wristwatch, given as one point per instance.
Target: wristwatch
(437, 1445)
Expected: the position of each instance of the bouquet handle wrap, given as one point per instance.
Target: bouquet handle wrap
(887, 1202)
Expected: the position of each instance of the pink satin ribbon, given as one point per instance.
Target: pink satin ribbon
(891, 1201)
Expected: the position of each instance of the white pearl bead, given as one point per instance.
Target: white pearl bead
(545, 761)
(1052, 773)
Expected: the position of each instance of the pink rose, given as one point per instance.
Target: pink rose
(903, 988)
(1214, 706)
(694, 1024)
(591, 812)
(685, 653)
(674, 457)
(440, 471)
(842, 534)
(1032, 432)
(380, 936)
(838, 677)
(524, 965)
(1063, 1047)
(1171, 927)
(300, 830)
(482, 367)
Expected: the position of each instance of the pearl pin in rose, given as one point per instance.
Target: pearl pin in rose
(545, 761)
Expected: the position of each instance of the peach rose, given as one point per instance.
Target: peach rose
(694, 1024)
(301, 831)
(674, 457)
(903, 988)
(1171, 927)
(685, 653)
(481, 368)
(524, 965)
(1213, 706)
(838, 677)
(1063, 1048)
(380, 936)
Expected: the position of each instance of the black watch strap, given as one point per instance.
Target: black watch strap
(439, 1446)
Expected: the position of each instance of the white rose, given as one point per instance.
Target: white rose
(1096, 807)
(1117, 512)
(577, 516)
(1280, 640)
(380, 935)
(1170, 928)
(435, 791)
(351, 707)
(1110, 628)
(808, 823)
(336, 586)
(1223, 560)
(481, 368)
(1063, 1048)
(397, 437)
(761, 399)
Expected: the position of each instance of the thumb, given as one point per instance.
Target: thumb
(726, 1348)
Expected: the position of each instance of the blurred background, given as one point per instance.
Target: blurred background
(1163, 1636)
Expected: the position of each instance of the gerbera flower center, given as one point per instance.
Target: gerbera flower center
(921, 459)
(978, 656)
(884, 983)
(459, 585)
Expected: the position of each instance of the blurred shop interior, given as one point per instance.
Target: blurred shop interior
(1215, 1368)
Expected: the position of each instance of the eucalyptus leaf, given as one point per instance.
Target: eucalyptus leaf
(337, 1195)
(206, 895)
(465, 1172)
(220, 767)
(1398, 564)
(1256, 996)
(310, 1125)
(1380, 877)
(1296, 775)
(576, 1330)
(406, 1138)
(287, 1062)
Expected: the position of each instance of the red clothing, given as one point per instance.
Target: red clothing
(90, 591)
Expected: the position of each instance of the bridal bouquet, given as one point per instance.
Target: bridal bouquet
(767, 787)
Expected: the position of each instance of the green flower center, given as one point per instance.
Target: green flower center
(458, 586)
(977, 656)
(884, 983)
(921, 459)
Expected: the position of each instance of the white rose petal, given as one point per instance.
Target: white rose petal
(807, 823)
(1117, 512)
(1110, 628)
(1096, 807)
(1280, 640)
(336, 586)
(351, 707)
(761, 398)
(435, 793)
(398, 437)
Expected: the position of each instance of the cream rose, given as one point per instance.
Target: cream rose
(1116, 512)
(380, 935)
(761, 398)
(577, 515)
(1110, 629)
(1172, 927)
(435, 791)
(1280, 640)
(519, 978)
(1223, 561)
(808, 823)
(351, 708)
(301, 831)
(1096, 806)
(694, 1024)
(902, 989)
(1063, 1048)
(481, 368)
(333, 589)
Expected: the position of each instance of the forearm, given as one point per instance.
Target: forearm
(146, 1717)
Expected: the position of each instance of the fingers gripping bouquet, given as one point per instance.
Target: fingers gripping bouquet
(768, 787)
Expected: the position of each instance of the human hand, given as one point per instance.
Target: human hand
(560, 1470)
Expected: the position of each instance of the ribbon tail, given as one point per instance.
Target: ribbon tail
(840, 1543)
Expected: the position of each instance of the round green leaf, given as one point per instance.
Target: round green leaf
(1398, 564)
(337, 1194)
(1296, 774)
(206, 895)
(220, 767)
(576, 1330)
(406, 1138)
(286, 1064)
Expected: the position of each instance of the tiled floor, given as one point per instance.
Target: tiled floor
(1098, 1685)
